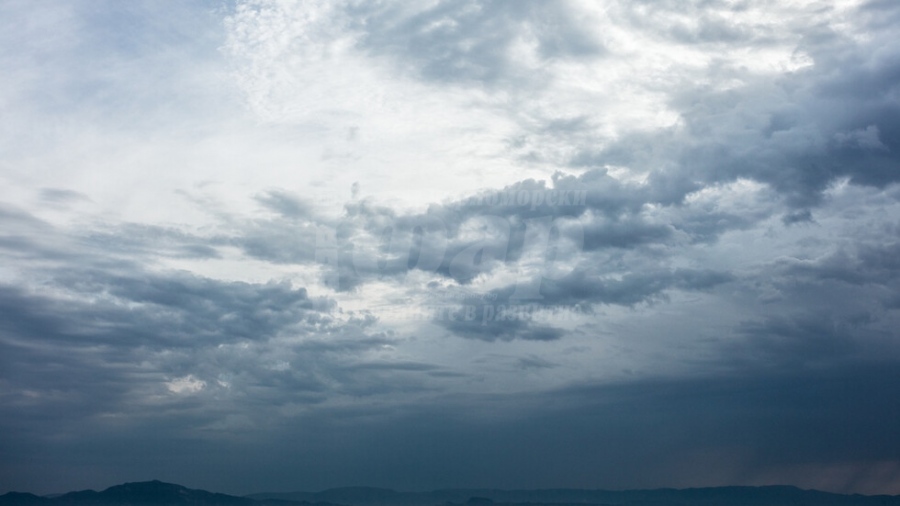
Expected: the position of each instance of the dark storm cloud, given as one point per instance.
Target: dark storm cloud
(169, 357)
(780, 416)
(627, 233)
(136, 334)
(461, 240)
(850, 293)
(500, 320)
(863, 264)
(570, 217)
(586, 286)
(158, 311)
(732, 219)
(798, 133)
(521, 311)
(649, 433)
(535, 362)
(165, 352)
(799, 216)
(214, 309)
(495, 229)
(798, 341)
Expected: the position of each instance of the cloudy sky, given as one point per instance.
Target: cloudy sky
(267, 245)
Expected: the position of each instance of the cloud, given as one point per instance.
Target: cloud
(186, 385)
(61, 197)
(447, 245)
(283, 203)
(476, 42)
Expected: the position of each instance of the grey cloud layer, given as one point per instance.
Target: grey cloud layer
(696, 300)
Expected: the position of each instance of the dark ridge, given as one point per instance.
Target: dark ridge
(22, 498)
(714, 496)
(157, 493)
(147, 493)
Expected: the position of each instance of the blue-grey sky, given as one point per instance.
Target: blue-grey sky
(268, 245)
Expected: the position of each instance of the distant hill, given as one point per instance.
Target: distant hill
(157, 493)
(714, 496)
(147, 493)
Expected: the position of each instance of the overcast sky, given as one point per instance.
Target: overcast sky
(272, 246)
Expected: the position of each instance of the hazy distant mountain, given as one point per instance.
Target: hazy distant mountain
(148, 493)
(715, 496)
(156, 493)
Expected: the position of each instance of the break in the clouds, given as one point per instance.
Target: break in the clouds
(263, 245)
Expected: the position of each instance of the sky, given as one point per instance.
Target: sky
(273, 246)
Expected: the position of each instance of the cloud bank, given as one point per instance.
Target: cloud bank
(268, 245)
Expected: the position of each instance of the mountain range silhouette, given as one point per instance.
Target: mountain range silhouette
(157, 493)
